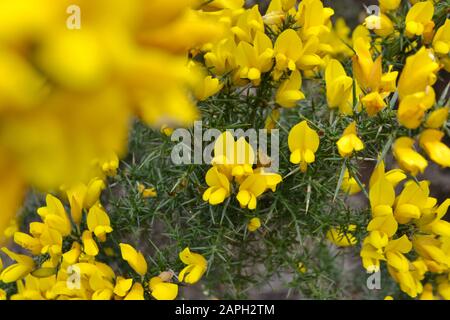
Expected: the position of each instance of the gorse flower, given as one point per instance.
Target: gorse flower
(289, 92)
(162, 290)
(303, 144)
(75, 273)
(413, 107)
(437, 118)
(134, 258)
(23, 266)
(250, 189)
(254, 224)
(407, 157)
(233, 162)
(412, 205)
(430, 141)
(196, 266)
(441, 44)
(339, 87)
(388, 5)
(332, 97)
(255, 59)
(419, 18)
(219, 187)
(349, 142)
(349, 184)
(418, 73)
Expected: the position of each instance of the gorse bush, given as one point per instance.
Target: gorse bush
(353, 120)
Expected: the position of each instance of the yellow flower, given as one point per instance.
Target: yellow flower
(219, 187)
(301, 267)
(437, 118)
(250, 189)
(373, 102)
(147, 192)
(395, 251)
(98, 222)
(82, 196)
(221, 58)
(418, 73)
(412, 201)
(248, 25)
(287, 50)
(254, 59)
(338, 41)
(427, 293)
(50, 238)
(372, 255)
(380, 24)
(162, 290)
(165, 129)
(134, 258)
(441, 44)
(89, 245)
(389, 4)
(339, 87)
(361, 32)
(54, 215)
(367, 72)
(136, 292)
(342, 237)
(233, 158)
(28, 242)
(430, 141)
(2, 295)
(432, 222)
(349, 142)
(122, 286)
(196, 266)
(388, 81)
(303, 143)
(289, 93)
(429, 247)
(444, 289)
(349, 184)
(419, 18)
(313, 18)
(70, 257)
(272, 179)
(281, 5)
(206, 86)
(17, 270)
(254, 224)
(407, 158)
(382, 197)
(388, 297)
(377, 239)
(394, 176)
(412, 108)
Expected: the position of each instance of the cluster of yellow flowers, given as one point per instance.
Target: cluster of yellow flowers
(312, 46)
(74, 73)
(68, 95)
(408, 233)
(65, 250)
(233, 161)
(247, 52)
